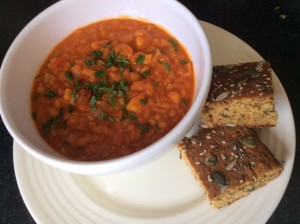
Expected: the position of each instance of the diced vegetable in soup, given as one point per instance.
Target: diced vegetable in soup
(112, 88)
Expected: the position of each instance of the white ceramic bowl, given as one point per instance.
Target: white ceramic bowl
(37, 39)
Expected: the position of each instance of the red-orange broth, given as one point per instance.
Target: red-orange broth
(112, 88)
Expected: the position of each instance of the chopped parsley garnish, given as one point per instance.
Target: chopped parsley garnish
(74, 95)
(77, 85)
(123, 85)
(54, 122)
(60, 113)
(46, 126)
(184, 101)
(145, 73)
(144, 128)
(71, 109)
(167, 66)
(115, 59)
(93, 101)
(89, 63)
(101, 73)
(132, 116)
(174, 44)
(96, 54)
(103, 116)
(50, 93)
(71, 64)
(107, 44)
(69, 76)
(122, 93)
(140, 59)
(183, 62)
(113, 91)
(111, 119)
(143, 101)
(112, 100)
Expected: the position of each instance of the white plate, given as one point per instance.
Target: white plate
(163, 191)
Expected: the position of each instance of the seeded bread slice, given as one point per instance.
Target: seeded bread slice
(241, 94)
(229, 163)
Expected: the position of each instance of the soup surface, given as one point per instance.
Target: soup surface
(112, 88)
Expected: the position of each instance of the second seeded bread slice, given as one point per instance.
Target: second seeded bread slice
(229, 163)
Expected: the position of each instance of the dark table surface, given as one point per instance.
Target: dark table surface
(271, 27)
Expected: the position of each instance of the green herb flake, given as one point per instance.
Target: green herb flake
(112, 101)
(111, 59)
(69, 76)
(50, 93)
(122, 93)
(77, 85)
(144, 128)
(145, 73)
(71, 64)
(96, 54)
(167, 66)
(54, 122)
(143, 101)
(132, 116)
(101, 73)
(184, 101)
(93, 101)
(123, 106)
(183, 62)
(89, 63)
(103, 116)
(123, 85)
(116, 59)
(71, 109)
(121, 72)
(107, 44)
(60, 114)
(46, 126)
(140, 59)
(111, 119)
(173, 43)
(122, 61)
(74, 95)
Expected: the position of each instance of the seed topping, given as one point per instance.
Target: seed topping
(211, 160)
(218, 178)
(248, 141)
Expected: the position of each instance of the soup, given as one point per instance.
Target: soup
(112, 88)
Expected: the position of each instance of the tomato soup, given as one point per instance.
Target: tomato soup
(112, 88)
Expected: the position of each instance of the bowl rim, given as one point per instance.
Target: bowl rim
(114, 165)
